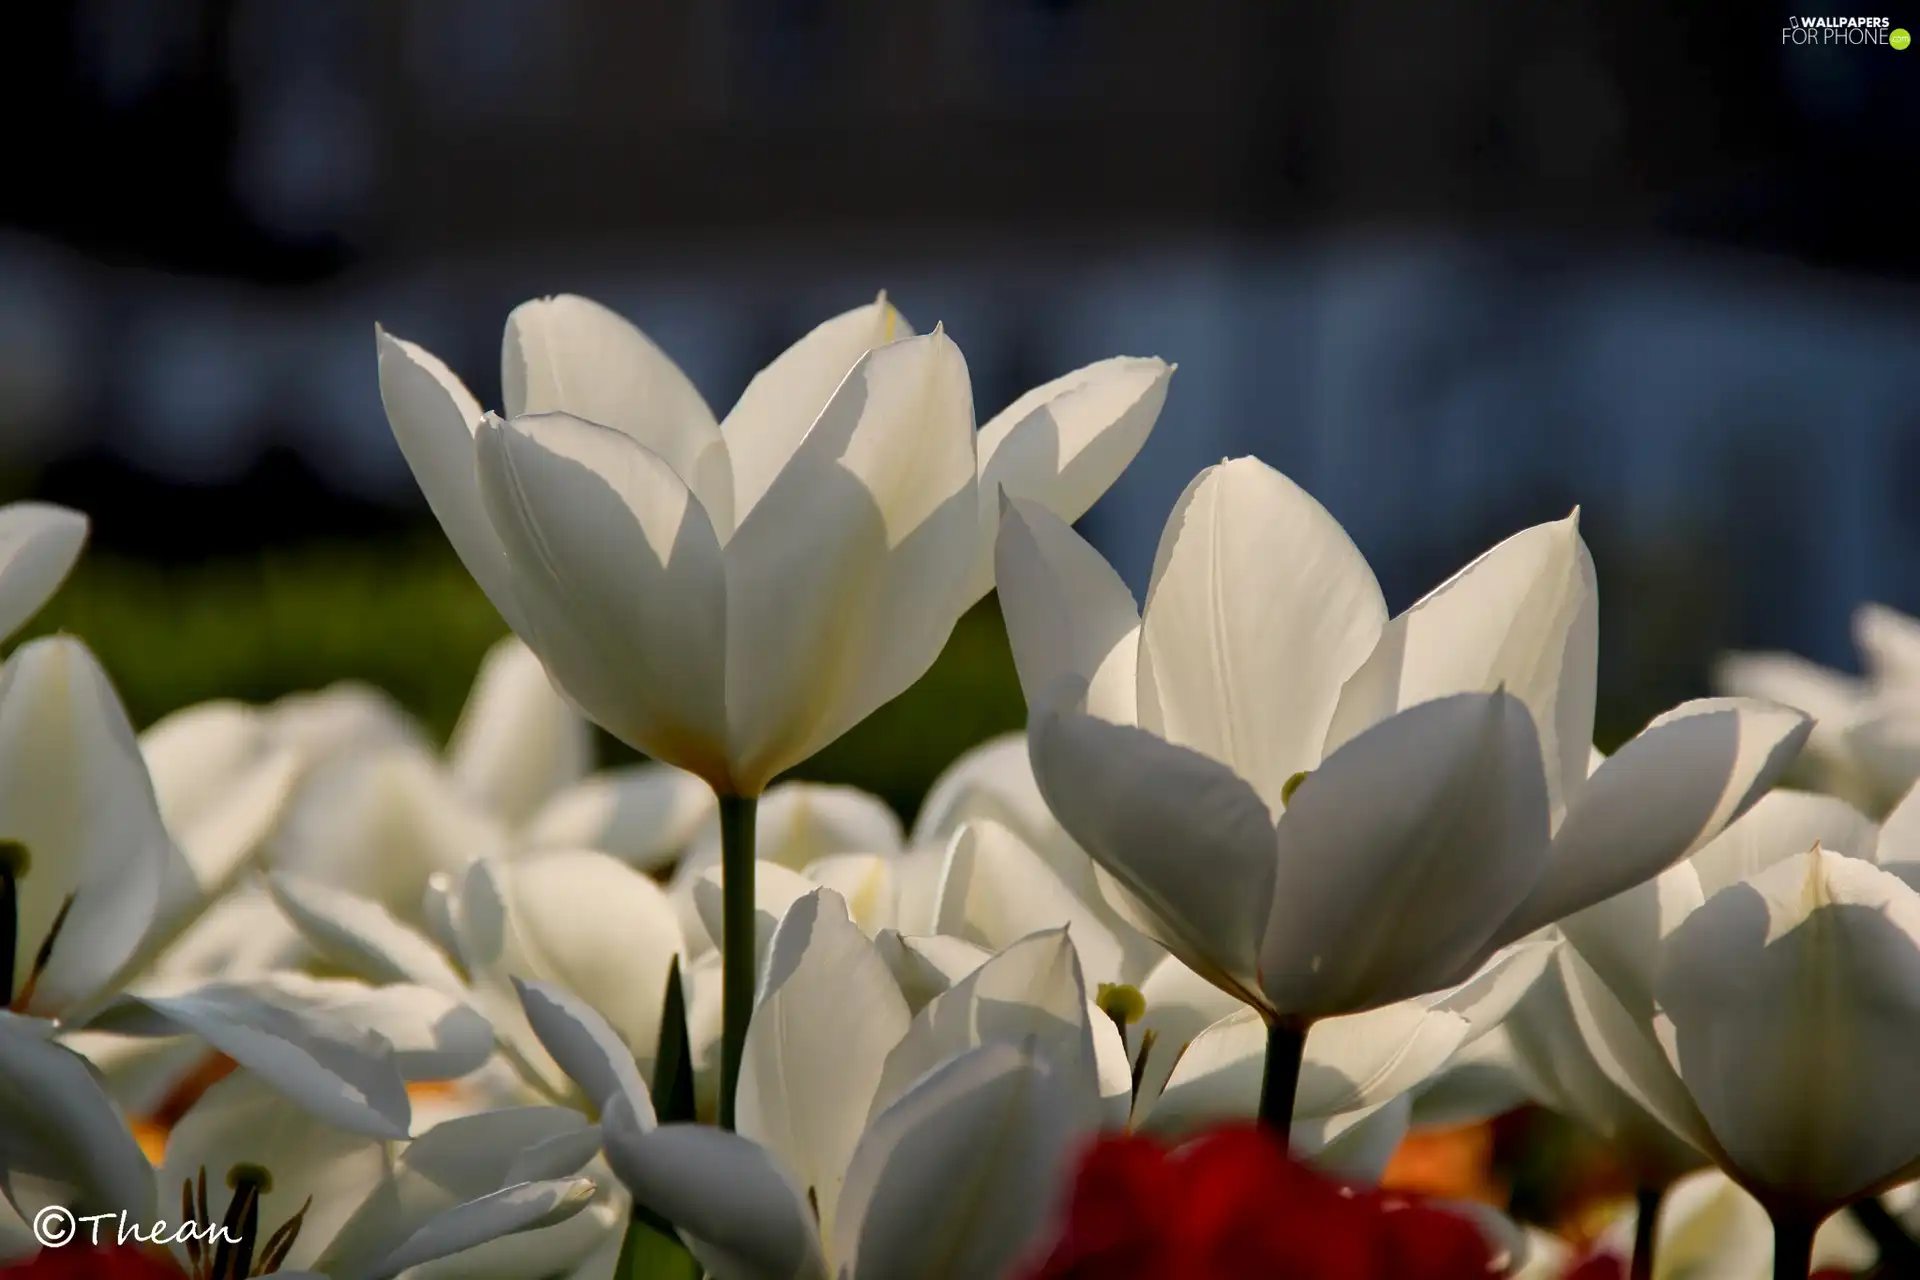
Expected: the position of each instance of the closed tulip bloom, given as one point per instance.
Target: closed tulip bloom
(1323, 811)
(730, 596)
(1764, 1003)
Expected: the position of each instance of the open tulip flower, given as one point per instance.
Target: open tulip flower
(306, 1196)
(1762, 999)
(873, 1141)
(1323, 811)
(730, 596)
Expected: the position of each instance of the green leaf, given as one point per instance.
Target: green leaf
(673, 1069)
(653, 1252)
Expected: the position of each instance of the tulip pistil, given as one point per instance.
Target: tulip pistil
(237, 1240)
(15, 862)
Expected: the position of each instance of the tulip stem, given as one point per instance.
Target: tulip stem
(1286, 1045)
(1793, 1247)
(736, 942)
(1646, 1219)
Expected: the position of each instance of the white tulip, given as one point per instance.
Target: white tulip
(1325, 812)
(304, 1195)
(1763, 1002)
(872, 1141)
(1866, 738)
(38, 544)
(517, 742)
(729, 597)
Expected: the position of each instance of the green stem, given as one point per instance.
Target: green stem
(1792, 1247)
(736, 942)
(1286, 1045)
(1647, 1203)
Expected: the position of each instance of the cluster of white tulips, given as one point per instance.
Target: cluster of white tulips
(1264, 852)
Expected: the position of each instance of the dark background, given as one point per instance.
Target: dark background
(1456, 267)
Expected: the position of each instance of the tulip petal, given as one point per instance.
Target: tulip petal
(1180, 1005)
(1261, 607)
(361, 937)
(379, 823)
(960, 1177)
(996, 890)
(845, 580)
(38, 544)
(434, 1036)
(340, 1072)
(991, 780)
(866, 881)
(583, 921)
(1523, 617)
(1780, 825)
(1889, 643)
(1562, 1074)
(58, 1121)
(1187, 846)
(586, 1048)
(775, 889)
(222, 784)
(1067, 612)
(764, 429)
(619, 573)
(1402, 853)
(924, 967)
(798, 823)
(1789, 1003)
(827, 1015)
(1063, 444)
(568, 354)
(740, 1214)
(644, 815)
(1031, 994)
(517, 741)
(1672, 788)
(526, 1207)
(1355, 1146)
(76, 797)
(1627, 1051)
(454, 1164)
(1826, 695)
(434, 417)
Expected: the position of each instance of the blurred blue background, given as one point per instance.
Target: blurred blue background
(1456, 267)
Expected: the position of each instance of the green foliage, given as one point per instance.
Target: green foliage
(409, 619)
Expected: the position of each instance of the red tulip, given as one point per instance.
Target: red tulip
(1233, 1204)
(87, 1262)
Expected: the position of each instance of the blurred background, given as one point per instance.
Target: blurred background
(1456, 267)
